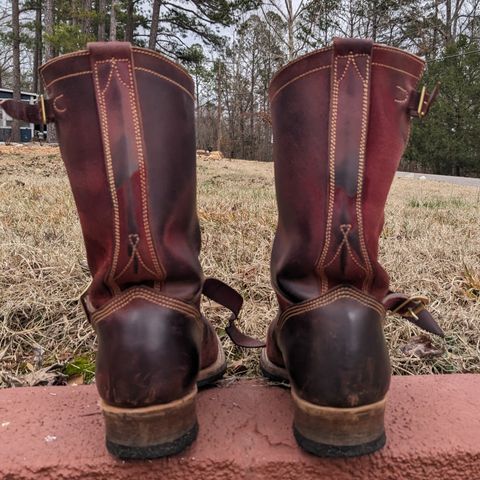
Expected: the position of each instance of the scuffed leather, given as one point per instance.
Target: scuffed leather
(125, 124)
(336, 355)
(341, 121)
(147, 355)
(301, 97)
(162, 97)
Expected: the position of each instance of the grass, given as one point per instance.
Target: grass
(430, 246)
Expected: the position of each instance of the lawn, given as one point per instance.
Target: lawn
(430, 245)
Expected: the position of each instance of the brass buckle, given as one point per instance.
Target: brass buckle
(424, 105)
(420, 111)
(420, 303)
(41, 99)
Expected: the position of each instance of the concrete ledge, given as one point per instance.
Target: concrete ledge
(433, 429)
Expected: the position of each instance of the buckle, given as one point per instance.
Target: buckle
(419, 303)
(41, 100)
(426, 100)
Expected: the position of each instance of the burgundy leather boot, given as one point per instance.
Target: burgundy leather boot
(125, 123)
(341, 120)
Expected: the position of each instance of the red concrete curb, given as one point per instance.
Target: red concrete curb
(433, 428)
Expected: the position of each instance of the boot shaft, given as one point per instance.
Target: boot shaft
(125, 124)
(341, 121)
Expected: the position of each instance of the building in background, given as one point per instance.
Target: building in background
(27, 130)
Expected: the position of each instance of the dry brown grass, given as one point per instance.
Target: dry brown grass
(430, 245)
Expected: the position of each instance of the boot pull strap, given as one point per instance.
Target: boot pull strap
(41, 112)
(421, 101)
(414, 310)
(226, 296)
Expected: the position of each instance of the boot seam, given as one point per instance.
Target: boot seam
(334, 295)
(63, 77)
(163, 77)
(137, 121)
(143, 293)
(377, 64)
(110, 178)
(298, 77)
(336, 80)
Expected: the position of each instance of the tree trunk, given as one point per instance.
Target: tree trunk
(219, 108)
(15, 137)
(48, 23)
(290, 27)
(102, 5)
(86, 21)
(152, 42)
(49, 54)
(129, 28)
(113, 21)
(37, 53)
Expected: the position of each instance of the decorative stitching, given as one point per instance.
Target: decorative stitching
(141, 293)
(356, 66)
(111, 180)
(345, 229)
(331, 166)
(109, 79)
(144, 265)
(334, 295)
(273, 96)
(55, 106)
(405, 95)
(361, 171)
(70, 75)
(80, 53)
(298, 59)
(119, 75)
(400, 52)
(141, 163)
(165, 59)
(353, 257)
(376, 64)
(163, 77)
(351, 59)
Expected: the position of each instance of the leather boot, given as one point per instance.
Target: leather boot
(341, 121)
(125, 123)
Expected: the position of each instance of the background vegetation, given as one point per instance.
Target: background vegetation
(233, 47)
(429, 246)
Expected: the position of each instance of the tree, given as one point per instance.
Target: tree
(16, 65)
(447, 141)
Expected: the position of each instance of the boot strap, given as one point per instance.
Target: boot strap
(222, 294)
(420, 101)
(414, 310)
(41, 112)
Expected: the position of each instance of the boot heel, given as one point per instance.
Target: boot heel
(151, 432)
(339, 432)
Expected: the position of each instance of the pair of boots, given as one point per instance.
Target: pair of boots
(341, 119)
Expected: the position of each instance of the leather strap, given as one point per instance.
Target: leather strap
(224, 295)
(344, 251)
(220, 293)
(30, 113)
(134, 258)
(413, 309)
(414, 107)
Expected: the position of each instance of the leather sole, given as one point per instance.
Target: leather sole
(158, 430)
(150, 432)
(272, 371)
(328, 431)
(215, 371)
